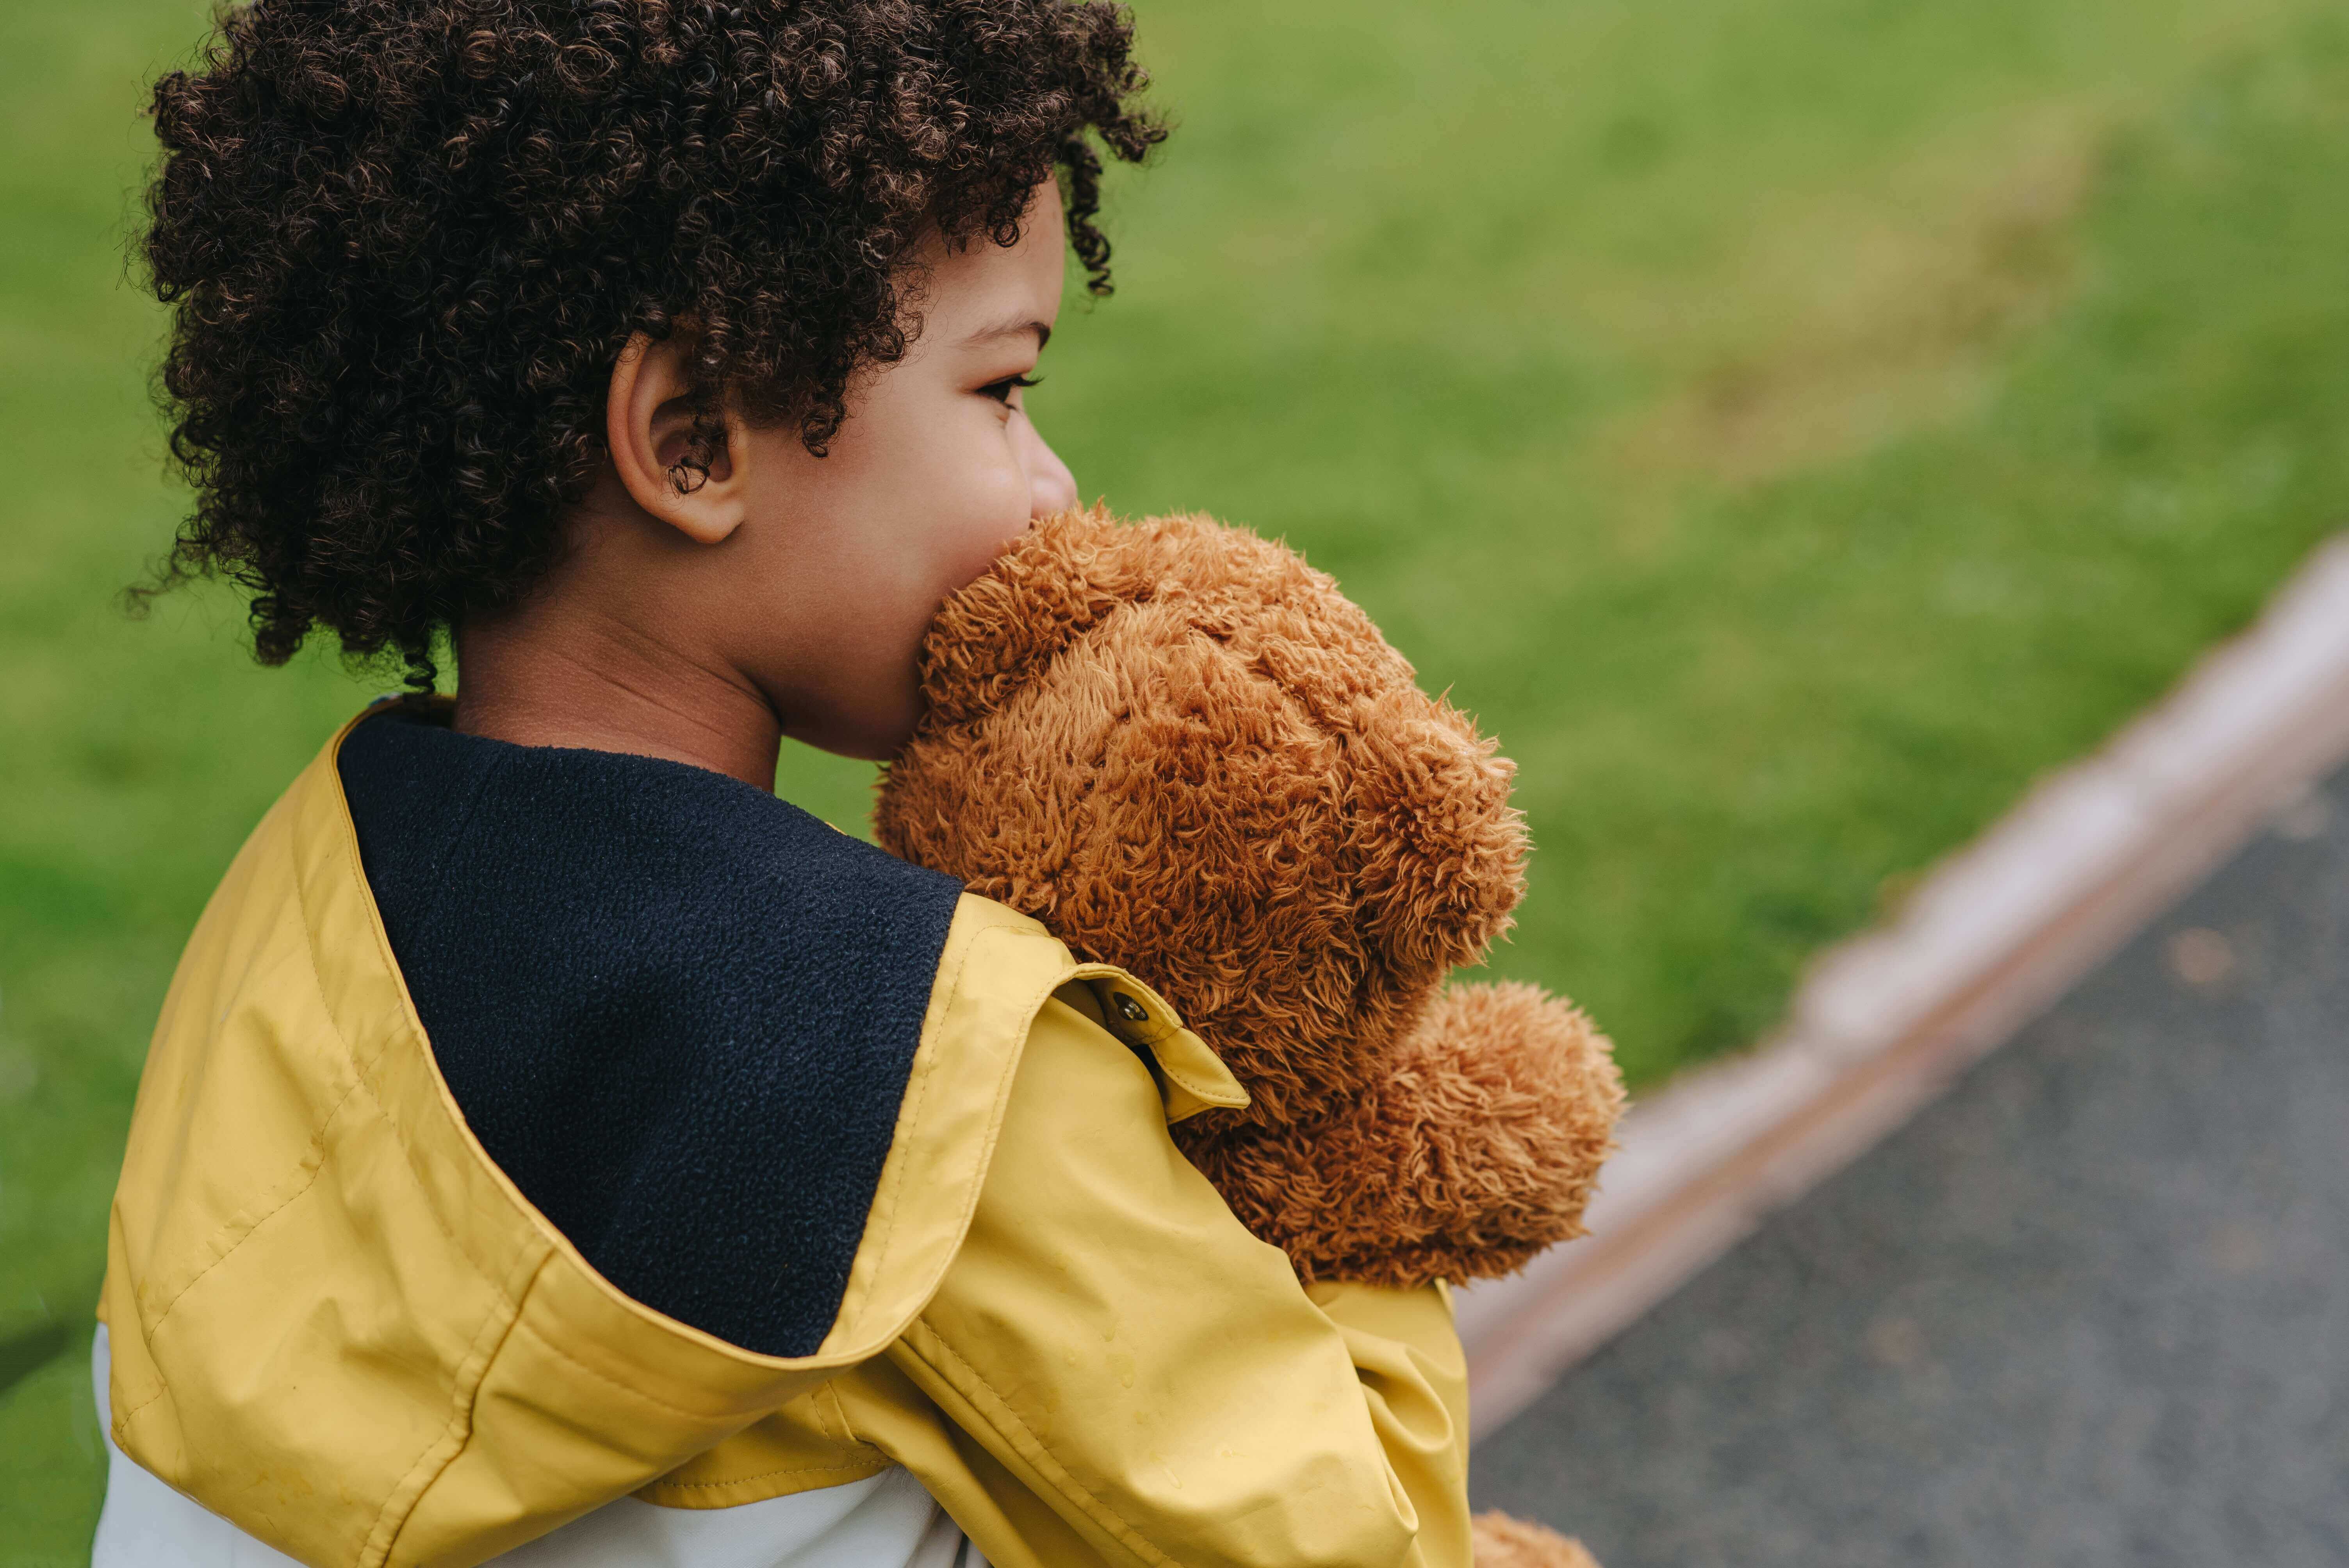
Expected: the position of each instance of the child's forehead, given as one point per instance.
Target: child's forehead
(981, 293)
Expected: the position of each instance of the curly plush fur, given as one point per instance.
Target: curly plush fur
(1478, 1148)
(1505, 1543)
(1181, 749)
(1187, 753)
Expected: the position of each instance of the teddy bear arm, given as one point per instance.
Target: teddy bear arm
(1479, 1149)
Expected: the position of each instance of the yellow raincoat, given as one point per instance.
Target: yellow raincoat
(338, 1324)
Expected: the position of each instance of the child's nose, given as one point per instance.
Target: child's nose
(1051, 488)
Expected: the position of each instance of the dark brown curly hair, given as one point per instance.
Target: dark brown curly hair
(404, 242)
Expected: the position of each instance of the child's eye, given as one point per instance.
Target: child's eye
(1001, 390)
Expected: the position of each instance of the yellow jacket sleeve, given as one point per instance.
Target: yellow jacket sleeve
(1130, 1377)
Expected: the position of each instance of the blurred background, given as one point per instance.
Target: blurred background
(1791, 427)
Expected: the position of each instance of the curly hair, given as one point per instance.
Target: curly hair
(404, 242)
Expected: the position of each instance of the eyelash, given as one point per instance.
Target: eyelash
(1001, 390)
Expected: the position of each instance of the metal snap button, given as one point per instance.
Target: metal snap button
(1132, 1011)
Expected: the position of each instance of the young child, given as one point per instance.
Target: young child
(552, 1144)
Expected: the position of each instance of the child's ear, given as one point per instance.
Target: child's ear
(670, 466)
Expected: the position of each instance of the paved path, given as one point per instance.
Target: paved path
(2091, 1308)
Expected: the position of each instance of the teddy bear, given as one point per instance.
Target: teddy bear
(1187, 753)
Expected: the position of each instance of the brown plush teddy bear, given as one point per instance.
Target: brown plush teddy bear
(1187, 753)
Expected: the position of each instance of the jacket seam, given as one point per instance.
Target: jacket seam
(462, 1399)
(1067, 1484)
(121, 1423)
(816, 1413)
(318, 1147)
(830, 1393)
(762, 1475)
(461, 1426)
(606, 1378)
(407, 1158)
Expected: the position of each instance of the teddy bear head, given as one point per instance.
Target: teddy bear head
(1181, 748)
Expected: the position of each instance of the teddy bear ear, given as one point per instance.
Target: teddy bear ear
(1060, 579)
(1438, 852)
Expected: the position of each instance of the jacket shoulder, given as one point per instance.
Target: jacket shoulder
(339, 1323)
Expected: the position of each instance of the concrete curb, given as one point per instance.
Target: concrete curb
(1886, 1020)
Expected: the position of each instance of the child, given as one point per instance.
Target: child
(554, 1145)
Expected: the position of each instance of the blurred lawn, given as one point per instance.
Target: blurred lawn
(1791, 426)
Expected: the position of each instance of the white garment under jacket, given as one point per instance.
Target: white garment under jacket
(885, 1520)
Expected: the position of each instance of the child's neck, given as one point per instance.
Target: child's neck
(538, 676)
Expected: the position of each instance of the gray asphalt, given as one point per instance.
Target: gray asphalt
(2091, 1308)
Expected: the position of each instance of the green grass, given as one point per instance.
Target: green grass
(1792, 425)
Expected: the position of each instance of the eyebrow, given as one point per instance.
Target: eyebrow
(1008, 328)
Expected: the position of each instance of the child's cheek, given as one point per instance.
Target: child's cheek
(993, 511)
